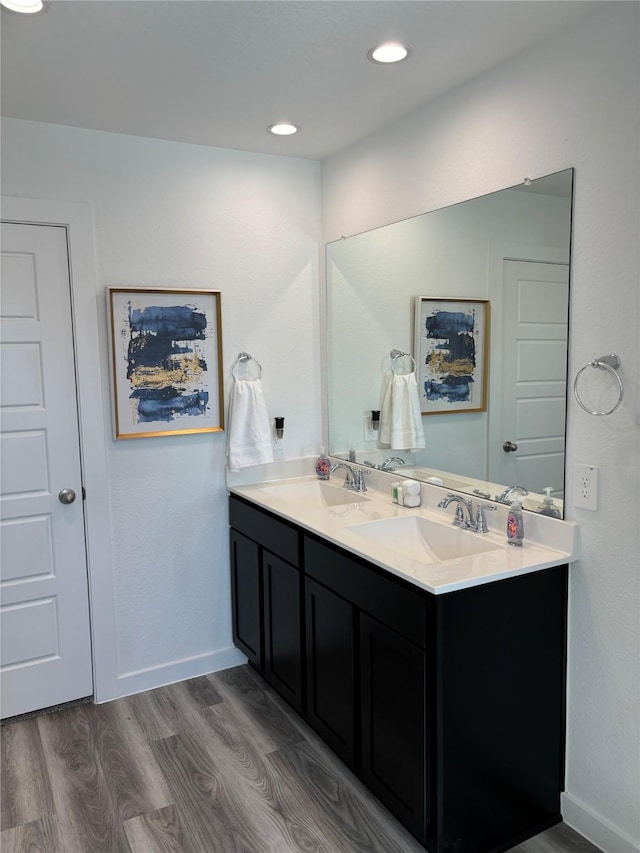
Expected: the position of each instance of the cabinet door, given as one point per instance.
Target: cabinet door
(394, 720)
(246, 597)
(282, 628)
(330, 668)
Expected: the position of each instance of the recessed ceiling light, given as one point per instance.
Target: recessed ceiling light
(24, 7)
(283, 128)
(390, 51)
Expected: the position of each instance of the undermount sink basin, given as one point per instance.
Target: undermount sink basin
(423, 540)
(317, 492)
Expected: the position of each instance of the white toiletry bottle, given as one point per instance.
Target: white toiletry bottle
(411, 493)
(515, 524)
(547, 507)
(323, 465)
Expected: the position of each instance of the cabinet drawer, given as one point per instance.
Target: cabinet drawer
(378, 595)
(270, 532)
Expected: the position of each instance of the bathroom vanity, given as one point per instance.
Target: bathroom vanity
(441, 684)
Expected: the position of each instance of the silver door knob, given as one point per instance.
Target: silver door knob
(509, 447)
(67, 496)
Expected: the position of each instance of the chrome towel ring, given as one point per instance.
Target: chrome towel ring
(243, 359)
(611, 363)
(396, 355)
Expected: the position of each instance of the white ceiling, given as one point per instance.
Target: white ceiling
(218, 72)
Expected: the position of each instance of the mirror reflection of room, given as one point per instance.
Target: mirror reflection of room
(510, 251)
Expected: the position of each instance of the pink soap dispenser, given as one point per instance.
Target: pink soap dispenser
(323, 465)
(515, 524)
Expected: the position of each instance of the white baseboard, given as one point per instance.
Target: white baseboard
(168, 673)
(595, 828)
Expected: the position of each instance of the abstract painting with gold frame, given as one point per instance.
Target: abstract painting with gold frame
(451, 351)
(166, 361)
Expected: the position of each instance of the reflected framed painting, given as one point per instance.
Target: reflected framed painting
(452, 352)
(166, 361)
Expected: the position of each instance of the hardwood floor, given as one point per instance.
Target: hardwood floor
(217, 764)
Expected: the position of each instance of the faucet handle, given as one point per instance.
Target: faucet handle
(459, 517)
(349, 479)
(481, 521)
(359, 483)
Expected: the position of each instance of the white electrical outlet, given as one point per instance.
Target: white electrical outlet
(368, 430)
(585, 486)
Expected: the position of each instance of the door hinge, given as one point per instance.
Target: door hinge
(84, 494)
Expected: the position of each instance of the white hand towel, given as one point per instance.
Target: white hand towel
(405, 418)
(384, 435)
(249, 428)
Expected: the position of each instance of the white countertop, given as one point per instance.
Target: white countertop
(548, 541)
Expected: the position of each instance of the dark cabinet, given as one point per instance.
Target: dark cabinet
(394, 721)
(366, 698)
(266, 592)
(449, 707)
(330, 668)
(377, 643)
(501, 661)
(282, 627)
(246, 597)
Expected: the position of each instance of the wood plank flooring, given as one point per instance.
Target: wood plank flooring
(217, 764)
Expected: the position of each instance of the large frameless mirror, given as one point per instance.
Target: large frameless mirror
(493, 403)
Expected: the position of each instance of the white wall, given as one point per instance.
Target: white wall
(571, 102)
(175, 215)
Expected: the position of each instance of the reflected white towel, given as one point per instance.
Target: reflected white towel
(401, 419)
(249, 428)
(384, 436)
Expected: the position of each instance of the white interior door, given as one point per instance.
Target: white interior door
(534, 363)
(45, 652)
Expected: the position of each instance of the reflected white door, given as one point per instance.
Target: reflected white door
(535, 323)
(45, 650)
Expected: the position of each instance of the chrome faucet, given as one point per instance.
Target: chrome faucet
(459, 519)
(479, 525)
(354, 479)
(392, 460)
(386, 465)
(360, 485)
(507, 495)
(481, 521)
(348, 480)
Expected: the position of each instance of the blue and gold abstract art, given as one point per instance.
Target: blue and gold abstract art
(452, 357)
(165, 364)
(166, 361)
